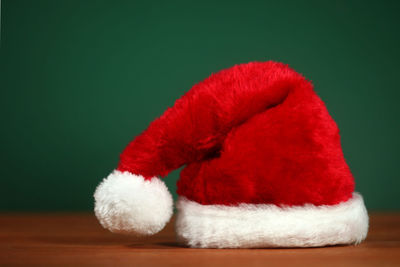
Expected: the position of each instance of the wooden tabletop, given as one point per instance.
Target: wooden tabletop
(78, 239)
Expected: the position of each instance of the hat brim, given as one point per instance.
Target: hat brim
(265, 225)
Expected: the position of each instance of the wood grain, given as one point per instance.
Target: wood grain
(77, 239)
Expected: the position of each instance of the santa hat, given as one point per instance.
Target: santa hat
(263, 163)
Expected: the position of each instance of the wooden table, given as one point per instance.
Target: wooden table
(77, 239)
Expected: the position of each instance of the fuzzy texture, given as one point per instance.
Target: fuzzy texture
(262, 225)
(253, 133)
(129, 204)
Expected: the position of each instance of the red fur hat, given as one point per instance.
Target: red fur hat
(263, 163)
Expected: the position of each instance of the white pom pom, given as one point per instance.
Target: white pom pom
(127, 203)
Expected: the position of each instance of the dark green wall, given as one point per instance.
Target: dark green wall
(79, 79)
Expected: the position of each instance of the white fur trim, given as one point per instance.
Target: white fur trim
(127, 203)
(265, 225)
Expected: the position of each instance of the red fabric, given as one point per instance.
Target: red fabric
(253, 133)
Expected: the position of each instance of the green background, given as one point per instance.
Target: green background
(80, 79)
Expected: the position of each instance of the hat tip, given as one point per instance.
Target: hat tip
(127, 203)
